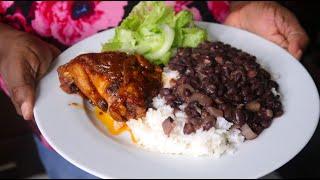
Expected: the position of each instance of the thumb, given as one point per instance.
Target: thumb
(24, 98)
(289, 26)
(47, 57)
(55, 51)
(22, 89)
(297, 42)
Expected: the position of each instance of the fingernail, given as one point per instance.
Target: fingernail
(25, 109)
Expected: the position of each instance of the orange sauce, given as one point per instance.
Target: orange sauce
(113, 127)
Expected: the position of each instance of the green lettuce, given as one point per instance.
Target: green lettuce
(153, 30)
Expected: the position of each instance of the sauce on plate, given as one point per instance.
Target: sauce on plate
(114, 127)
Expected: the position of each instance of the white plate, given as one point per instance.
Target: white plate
(72, 134)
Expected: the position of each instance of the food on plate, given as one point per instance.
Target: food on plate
(219, 80)
(110, 125)
(162, 130)
(153, 30)
(204, 100)
(116, 82)
(214, 97)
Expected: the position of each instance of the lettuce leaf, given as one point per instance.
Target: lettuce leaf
(153, 30)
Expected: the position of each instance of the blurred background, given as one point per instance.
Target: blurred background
(18, 154)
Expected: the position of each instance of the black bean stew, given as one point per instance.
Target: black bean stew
(219, 80)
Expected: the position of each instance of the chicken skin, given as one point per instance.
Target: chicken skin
(116, 82)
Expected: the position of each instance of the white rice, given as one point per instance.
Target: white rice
(168, 75)
(275, 92)
(150, 135)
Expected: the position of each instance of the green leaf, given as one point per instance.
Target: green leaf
(153, 30)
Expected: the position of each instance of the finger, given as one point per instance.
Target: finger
(45, 65)
(22, 88)
(24, 99)
(290, 28)
(55, 51)
(44, 54)
(234, 20)
(17, 107)
(279, 40)
(297, 43)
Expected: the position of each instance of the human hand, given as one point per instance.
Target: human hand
(271, 21)
(24, 59)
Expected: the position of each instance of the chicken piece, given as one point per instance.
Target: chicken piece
(120, 84)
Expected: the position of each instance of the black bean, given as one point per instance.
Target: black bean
(191, 111)
(231, 79)
(196, 122)
(218, 100)
(252, 73)
(239, 117)
(228, 114)
(219, 60)
(208, 125)
(214, 111)
(210, 88)
(264, 74)
(266, 123)
(168, 125)
(188, 128)
(170, 97)
(253, 106)
(278, 113)
(165, 91)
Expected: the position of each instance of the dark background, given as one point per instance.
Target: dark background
(306, 163)
(18, 155)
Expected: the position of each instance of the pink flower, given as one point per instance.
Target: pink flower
(69, 22)
(182, 5)
(17, 21)
(4, 5)
(219, 10)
